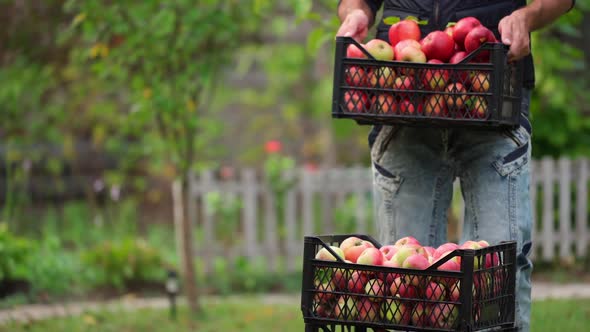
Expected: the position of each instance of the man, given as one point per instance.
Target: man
(414, 168)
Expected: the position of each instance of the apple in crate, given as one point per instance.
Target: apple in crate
(477, 37)
(421, 314)
(445, 249)
(435, 106)
(325, 255)
(404, 29)
(376, 288)
(463, 27)
(388, 251)
(383, 103)
(370, 256)
(345, 308)
(402, 289)
(367, 309)
(324, 292)
(353, 247)
(354, 52)
(444, 316)
(355, 101)
(357, 282)
(438, 45)
(388, 277)
(415, 262)
(411, 54)
(456, 96)
(435, 291)
(381, 77)
(396, 311)
(403, 253)
(355, 76)
(379, 49)
(407, 240)
(435, 79)
(403, 44)
(340, 277)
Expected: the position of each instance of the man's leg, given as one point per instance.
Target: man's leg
(494, 169)
(412, 184)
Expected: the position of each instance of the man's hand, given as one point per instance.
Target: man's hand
(516, 27)
(515, 30)
(355, 25)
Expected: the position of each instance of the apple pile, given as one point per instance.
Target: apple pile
(425, 90)
(363, 293)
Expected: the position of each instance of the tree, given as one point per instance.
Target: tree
(167, 58)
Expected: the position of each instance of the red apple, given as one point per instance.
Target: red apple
(355, 101)
(396, 311)
(400, 288)
(376, 288)
(407, 240)
(450, 265)
(477, 37)
(370, 256)
(470, 244)
(444, 316)
(435, 291)
(454, 291)
(406, 107)
(352, 51)
(463, 27)
(462, 75)
(449, 30)
(477, 107)
(340, 278)
(323, 310)
(435, 106)
(480, 82)
(403, 82)
(438, 45)
(403, 44)
(388, 277)
(411, 54)
(435, 79)
(353, 247)
(345, 308)
(388, 251)
(355, 76)
(367, 310)
(324, 292)
(383, 103)
(421, 314)
(379, 49)
(403, 253)
(416, 262)
(325, 255)
(382, 77)
(357, 282)
(404, 29)
(456, 97)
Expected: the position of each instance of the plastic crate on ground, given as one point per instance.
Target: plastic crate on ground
(344, 296)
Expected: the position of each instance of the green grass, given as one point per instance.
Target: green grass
(251, 315)
(561, 315)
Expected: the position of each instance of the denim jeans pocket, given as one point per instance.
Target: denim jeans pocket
(517, 157)
(385, 179)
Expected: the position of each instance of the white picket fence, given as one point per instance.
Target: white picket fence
(324, 201)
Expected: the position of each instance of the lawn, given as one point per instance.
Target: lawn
(251, 315)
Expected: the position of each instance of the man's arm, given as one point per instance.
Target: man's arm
(357, 16)
(516, 27)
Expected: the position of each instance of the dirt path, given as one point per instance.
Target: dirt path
(27, 313)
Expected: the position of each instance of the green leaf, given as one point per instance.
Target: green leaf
(423, 22)
(391, 20)
(451, 24)
(411, 18)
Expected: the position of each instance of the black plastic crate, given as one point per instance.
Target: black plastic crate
(487, 94)
(480, 296)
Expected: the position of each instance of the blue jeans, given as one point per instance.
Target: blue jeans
(414, 170)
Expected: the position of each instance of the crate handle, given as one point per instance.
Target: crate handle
(486, 45)
(350, 40)
(445, 259)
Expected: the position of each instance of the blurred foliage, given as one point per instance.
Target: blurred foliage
(14, 255)
(122, 263)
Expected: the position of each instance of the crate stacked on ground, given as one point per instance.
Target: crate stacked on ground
(451, 288)
(422, 83)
